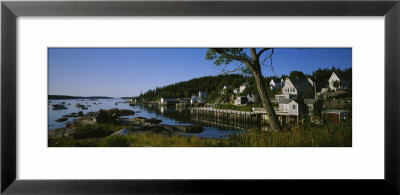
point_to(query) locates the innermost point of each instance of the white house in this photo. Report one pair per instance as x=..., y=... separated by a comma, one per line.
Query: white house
x=282, y=82
x=243, y=87
x=313, y=105
x=343, y=83
x=133, y=100
x=224, y=89
x=240, y=100
x=274, y=84
x=293, y=88
x=193, y=99
x=289, y=106
x=235, y=91
x=166, y=100
x=284, y=96
x=311, y=82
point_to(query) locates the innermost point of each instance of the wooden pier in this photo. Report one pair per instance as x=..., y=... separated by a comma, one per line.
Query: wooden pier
x=226, y=118
x=238, y=119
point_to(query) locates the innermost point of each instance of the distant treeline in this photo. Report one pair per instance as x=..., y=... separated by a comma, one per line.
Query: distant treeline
x=213, y=85
x=66, y=97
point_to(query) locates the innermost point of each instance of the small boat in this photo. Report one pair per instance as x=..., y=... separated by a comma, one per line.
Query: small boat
x=78, y=105
x=58, y=106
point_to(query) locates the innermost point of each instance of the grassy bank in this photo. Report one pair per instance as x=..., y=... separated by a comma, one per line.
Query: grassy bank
x=246, y=108
x=311, y=136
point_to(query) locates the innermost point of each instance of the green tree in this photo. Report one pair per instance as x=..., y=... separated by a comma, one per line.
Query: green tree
x=246, y=63
x=296, y=74
x=336, y=84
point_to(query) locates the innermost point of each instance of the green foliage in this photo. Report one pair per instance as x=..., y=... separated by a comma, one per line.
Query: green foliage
x=246, y=108
x=211, y=54
x=336, y=84
x=322, y=75
x=212, y=85
x=103, y=126
x=308, y=94
x=116, y=141
x=296, y=74
x=239, y=53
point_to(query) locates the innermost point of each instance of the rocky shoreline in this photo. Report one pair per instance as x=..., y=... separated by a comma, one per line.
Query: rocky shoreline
x=97, y=125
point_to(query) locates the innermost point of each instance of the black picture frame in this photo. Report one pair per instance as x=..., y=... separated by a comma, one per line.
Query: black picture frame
x=10, y=10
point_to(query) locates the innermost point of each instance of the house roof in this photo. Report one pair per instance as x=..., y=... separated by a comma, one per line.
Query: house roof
x=285, y=101
x=310, y=101
x=340, y=75
x=170, y=97
x=300, y=83
x=245, y=84
x=276, y=80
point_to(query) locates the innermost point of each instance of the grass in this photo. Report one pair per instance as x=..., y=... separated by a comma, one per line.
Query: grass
x=246, y=108
x=308, y=136
x=105, y=126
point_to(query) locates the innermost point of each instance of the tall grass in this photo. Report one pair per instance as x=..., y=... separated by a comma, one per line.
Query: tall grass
x=310, y=136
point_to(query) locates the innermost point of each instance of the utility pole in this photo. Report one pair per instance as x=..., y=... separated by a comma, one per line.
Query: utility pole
x=315, y=87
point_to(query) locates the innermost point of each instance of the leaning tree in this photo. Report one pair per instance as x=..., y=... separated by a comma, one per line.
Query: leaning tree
x=248, y=62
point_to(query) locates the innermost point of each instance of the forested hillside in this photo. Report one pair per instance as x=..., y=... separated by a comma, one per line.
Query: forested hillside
x=185, y=89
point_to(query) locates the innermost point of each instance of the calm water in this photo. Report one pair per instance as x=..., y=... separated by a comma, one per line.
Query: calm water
x=168, y=115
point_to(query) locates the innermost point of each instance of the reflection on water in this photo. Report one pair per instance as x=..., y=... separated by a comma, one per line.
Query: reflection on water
x=168, y=115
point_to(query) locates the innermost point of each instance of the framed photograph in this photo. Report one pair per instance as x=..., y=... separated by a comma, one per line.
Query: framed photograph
x=199, y=97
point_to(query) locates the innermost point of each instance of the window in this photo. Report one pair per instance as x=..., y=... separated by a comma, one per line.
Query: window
x=294, y=107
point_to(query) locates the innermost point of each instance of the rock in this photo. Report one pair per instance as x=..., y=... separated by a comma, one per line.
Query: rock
x=125, y=131
x=89, y=113
x=80, y=113
x=114, y=116
x=78, y=105
x=58, y=106
x=126, y=112
x=103, y=117
x=190, y=128
x=85, y=120
x=138, y=120
x=153, y=121
x=169, y=128
x=112, y=111
x=68, y=125
x=71, y=115
x=62, y=119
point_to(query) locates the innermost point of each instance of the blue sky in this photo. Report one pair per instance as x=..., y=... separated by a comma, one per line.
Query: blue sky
x=117, y=72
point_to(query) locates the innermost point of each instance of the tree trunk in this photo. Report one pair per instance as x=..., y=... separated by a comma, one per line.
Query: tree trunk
x=262, y=92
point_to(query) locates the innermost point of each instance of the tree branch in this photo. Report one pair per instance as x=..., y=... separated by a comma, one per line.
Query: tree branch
x=238, y=58
x=254, y=54
x=262, y=51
